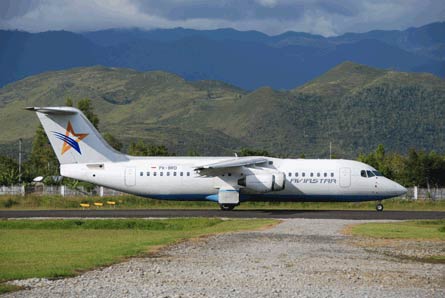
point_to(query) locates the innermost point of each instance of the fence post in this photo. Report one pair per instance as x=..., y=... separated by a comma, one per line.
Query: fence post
x=62, y=190
x=101, y=191
x=416, y=193
x=22, y=190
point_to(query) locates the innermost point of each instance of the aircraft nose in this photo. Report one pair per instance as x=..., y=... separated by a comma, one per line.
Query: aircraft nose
x=400, y=190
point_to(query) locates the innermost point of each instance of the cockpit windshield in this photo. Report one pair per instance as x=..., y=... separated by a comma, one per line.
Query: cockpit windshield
x=369, y=173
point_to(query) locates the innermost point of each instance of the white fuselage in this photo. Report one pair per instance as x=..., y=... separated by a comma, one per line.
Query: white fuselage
x=176, y=178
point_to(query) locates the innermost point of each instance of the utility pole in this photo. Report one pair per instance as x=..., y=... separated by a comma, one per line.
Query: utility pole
x=330, y=150
x=20, y=160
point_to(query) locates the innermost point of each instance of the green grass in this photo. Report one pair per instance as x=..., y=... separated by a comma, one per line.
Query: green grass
x=134, y=202
x=421, y=229
x=5, y=288
x=58, y=248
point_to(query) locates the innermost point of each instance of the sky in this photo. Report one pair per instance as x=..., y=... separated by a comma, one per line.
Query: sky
x=327, y=18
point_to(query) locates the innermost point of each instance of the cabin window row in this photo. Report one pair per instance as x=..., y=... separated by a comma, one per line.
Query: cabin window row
x=312, y=174
x=174, y=174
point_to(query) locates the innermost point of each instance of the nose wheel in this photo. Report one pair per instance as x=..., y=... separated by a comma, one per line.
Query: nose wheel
x=227, y=207
x=379, y=207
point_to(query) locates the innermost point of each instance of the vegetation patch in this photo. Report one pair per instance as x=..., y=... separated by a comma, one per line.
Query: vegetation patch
x=421, y=241
x=5, y=288
x=134, y=202
x=420, y=229
x=59, y=248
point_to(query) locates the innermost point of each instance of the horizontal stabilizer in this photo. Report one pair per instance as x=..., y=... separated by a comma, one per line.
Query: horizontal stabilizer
x=53, y=110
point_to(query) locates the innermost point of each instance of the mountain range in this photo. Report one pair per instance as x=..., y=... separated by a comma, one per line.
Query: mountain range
x=247, y=59
x=352, y=106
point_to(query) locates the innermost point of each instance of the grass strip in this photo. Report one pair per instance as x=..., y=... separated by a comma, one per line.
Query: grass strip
x=134, y=202
x=59, y=248
x=394, y=236
x=419, y=229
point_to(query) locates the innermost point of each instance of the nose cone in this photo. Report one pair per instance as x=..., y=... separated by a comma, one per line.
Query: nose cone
x=400, y=190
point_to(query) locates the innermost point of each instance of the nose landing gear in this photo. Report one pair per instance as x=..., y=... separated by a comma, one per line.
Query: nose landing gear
x=379, y=207
x=227, y=207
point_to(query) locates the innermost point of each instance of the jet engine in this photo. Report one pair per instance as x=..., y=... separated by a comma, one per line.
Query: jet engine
x=263, y=182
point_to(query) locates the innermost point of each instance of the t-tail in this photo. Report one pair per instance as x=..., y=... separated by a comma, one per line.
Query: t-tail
x=73, y=138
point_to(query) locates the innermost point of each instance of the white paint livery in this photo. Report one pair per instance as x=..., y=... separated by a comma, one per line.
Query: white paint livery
x=84, y=155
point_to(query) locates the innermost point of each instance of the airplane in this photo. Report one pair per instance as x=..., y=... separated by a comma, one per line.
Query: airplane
x=84, y=155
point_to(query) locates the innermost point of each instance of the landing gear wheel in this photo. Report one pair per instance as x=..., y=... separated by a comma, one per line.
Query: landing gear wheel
x=227, y=207
x=379, y=207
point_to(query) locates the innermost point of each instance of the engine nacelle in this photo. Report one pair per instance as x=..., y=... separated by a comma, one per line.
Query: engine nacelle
x=264, y=182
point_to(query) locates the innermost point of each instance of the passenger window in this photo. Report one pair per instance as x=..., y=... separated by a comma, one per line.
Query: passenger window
x=370, y=174
x=318, y=174
x=363, y=173
x=303, y=174
x=168, y=173
x=161, y=173
x=154, y=173
x=289, y=174
x=312, y=174
x=296, y=174
x=325, y=174
x=174, y=173
x=181, y=174
x=188, y=173
x=148, y=173
x=141, y=174
x=332, y=174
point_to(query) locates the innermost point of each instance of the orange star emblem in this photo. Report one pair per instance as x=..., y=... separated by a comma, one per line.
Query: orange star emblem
x=70, y=138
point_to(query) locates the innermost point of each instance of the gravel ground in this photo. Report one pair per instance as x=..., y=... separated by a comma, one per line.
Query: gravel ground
x=298, y=258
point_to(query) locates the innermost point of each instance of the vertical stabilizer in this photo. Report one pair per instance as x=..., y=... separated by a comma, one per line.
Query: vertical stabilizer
x=73, y=138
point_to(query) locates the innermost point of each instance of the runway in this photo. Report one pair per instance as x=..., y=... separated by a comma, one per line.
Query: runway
x=161, y=213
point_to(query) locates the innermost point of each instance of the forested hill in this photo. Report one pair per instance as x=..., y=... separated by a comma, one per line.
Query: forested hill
x=248, y=59
x=353, y=106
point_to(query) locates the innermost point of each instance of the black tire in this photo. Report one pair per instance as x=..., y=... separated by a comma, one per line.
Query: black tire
x=227, y=207
x=379, y=207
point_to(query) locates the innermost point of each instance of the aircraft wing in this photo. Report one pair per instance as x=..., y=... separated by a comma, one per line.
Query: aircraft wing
x=232, y=163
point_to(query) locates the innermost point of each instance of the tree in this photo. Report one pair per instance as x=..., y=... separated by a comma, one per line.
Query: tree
x=158, y=150
x=141, y=149
x=112, y=141
x=9, y=173
x=252, y=152
x=43, y=161
x=193, y=152
x=69, y=102
x=138, y=149
x=87, y=108
x=378, y=160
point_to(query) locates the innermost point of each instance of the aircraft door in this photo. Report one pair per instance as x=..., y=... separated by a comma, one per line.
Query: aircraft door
x=345, y=177
x=130, y=176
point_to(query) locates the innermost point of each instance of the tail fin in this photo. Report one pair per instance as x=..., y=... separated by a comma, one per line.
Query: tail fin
x=73, y=138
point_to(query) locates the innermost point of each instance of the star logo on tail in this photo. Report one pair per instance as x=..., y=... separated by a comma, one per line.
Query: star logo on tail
x=70, y=139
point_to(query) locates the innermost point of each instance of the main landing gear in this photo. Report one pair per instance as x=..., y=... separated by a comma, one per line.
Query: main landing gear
x=379, y=207
x=227, y=207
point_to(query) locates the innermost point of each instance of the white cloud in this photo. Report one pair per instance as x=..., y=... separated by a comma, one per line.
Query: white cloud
x=270, y=16
x=267, y=3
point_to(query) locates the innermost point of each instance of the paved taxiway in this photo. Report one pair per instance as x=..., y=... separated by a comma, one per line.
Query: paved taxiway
x=145, y=213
